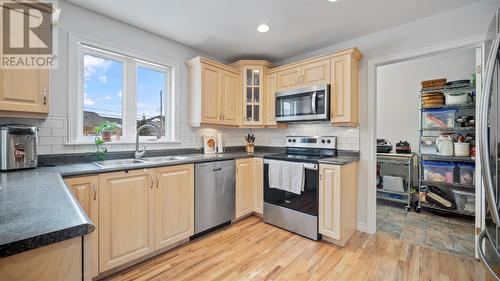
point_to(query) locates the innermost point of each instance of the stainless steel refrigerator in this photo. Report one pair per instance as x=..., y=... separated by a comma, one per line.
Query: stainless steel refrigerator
x=488, y=244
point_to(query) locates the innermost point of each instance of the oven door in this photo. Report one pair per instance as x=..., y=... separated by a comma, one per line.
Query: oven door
x=306, y=202
x=306, y=104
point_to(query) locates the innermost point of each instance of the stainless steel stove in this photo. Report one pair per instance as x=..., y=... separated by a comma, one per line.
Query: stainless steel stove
x=298, y=212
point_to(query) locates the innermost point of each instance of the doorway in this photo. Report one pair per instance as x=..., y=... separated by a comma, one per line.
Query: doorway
x=421, y=196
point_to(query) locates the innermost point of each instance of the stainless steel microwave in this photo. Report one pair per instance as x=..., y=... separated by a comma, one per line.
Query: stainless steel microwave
x=305, y=104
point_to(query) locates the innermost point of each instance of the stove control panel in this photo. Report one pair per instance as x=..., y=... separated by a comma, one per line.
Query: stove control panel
x=311, y=142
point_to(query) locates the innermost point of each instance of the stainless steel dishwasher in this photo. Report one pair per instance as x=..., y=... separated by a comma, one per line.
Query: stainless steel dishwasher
x=214, y=194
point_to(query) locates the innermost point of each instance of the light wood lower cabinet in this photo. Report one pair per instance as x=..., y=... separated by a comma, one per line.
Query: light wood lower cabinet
x=85, y=191
x=174, y=204
x=142, y=211
x=258, y=185
x=126, y=217
x=59, y=261
x=244, y=187
x=337, y=202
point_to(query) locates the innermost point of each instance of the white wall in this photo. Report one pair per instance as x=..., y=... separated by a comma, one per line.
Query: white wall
x=459, y=24
x=74, y=19
x=398, y=87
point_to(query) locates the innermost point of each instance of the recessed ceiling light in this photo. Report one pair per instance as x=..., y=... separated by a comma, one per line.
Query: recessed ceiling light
x=333, y=0
x=263, y=28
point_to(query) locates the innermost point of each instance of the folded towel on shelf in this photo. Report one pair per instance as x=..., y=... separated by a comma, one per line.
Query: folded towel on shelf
x=288, y=176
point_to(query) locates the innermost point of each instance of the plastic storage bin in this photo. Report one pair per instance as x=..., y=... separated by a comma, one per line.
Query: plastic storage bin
x=438, y=171
x=428, y=145
x=438, y=118
x=464, y=201
x=467, y=173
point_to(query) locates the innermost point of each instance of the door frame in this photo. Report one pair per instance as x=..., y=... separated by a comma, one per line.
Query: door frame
x=370, y=145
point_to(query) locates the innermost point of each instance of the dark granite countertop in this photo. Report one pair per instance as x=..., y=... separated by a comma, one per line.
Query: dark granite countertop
x=343, y=158
x=37, y=209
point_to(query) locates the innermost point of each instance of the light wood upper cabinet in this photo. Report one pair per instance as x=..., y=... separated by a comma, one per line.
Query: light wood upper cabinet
x=85, y=191
x=258, y=185
x=337, y=202
x=344, y=95
x=315, y=73
x=244, y=187
x=288, y=79
x=126, y=217
x=213, y=93
x=24, y=92
x=270, y=101
x=231, y=112
x=174, y=204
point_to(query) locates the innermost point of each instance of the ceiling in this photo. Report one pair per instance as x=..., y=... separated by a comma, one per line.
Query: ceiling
x=227, y=28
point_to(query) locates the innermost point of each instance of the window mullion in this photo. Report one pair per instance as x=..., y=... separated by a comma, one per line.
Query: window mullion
x=130, y=100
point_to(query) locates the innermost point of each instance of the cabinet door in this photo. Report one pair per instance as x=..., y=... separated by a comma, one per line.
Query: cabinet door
x=125, y=217
x=231, y=103
x=24, y=91
x=244, y=187
x=288, y=79
x=211, y=94
x=258, y=187
x=315, y=73
x=329, y=201
x=174, y=204
x=85, y=191
x=270, y=100
x=344, y=91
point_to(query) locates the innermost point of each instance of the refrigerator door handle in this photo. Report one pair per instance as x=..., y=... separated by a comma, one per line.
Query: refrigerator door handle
x=483, y=132
x=481, y=255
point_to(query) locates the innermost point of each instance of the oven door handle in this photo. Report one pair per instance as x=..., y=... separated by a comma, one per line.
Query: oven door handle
x=307, y=166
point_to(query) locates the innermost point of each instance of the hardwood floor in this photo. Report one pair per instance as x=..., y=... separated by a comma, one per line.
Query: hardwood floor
x=253, y=250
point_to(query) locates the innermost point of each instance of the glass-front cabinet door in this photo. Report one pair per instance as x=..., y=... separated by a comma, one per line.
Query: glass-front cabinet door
x=252, y=95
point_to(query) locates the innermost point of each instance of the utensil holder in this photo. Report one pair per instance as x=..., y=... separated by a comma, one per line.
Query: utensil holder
x=249, y=148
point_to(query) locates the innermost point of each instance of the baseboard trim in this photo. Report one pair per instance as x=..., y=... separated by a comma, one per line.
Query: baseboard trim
x=361, y=226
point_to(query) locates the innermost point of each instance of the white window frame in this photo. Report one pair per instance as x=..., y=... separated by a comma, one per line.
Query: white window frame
x=80, y=47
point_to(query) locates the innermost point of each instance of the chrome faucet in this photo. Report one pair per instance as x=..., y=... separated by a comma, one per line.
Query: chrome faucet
x=138, y=154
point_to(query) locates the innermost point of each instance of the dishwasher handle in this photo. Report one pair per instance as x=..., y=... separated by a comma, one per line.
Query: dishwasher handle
x=216, y=169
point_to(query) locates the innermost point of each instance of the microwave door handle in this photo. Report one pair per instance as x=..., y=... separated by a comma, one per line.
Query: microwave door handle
x=313, y=102
x=483, y=133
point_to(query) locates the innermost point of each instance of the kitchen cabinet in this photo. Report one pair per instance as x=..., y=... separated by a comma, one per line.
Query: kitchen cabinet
x=315, y=73
x=213, y=93
x=270, y=100
x=253, y=91
x=126, y=217
x=59, y=261
x=244, y=187
x=288, y=79
x=305, y=74
x=344, y=94
x=174, y=204
x=85, y=191
x=24, y=92
x=258, y=185
x=337, y=202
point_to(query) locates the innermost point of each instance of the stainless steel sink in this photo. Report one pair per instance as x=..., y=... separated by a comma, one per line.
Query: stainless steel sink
x=160, y=159
x=119, y=163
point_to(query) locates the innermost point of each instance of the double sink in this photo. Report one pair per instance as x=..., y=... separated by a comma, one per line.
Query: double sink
x=131, y=162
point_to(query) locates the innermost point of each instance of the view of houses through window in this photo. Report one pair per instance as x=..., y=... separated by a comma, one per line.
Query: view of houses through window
x=106, y=94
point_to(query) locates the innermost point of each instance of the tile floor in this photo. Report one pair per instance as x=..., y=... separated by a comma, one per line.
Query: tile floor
x=454, y=235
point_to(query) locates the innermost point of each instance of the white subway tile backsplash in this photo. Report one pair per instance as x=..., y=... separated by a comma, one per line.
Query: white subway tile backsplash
x=59, y=132
x=50, y=140
x=44, y=132
x=52, y=123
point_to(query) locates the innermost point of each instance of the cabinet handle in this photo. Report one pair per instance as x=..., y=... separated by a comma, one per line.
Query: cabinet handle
x=44, y=92
x=94, y=189
x=157, y=181
x=152, y=181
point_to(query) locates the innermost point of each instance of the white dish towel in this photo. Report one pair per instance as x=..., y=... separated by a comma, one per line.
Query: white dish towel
x=288, y=176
